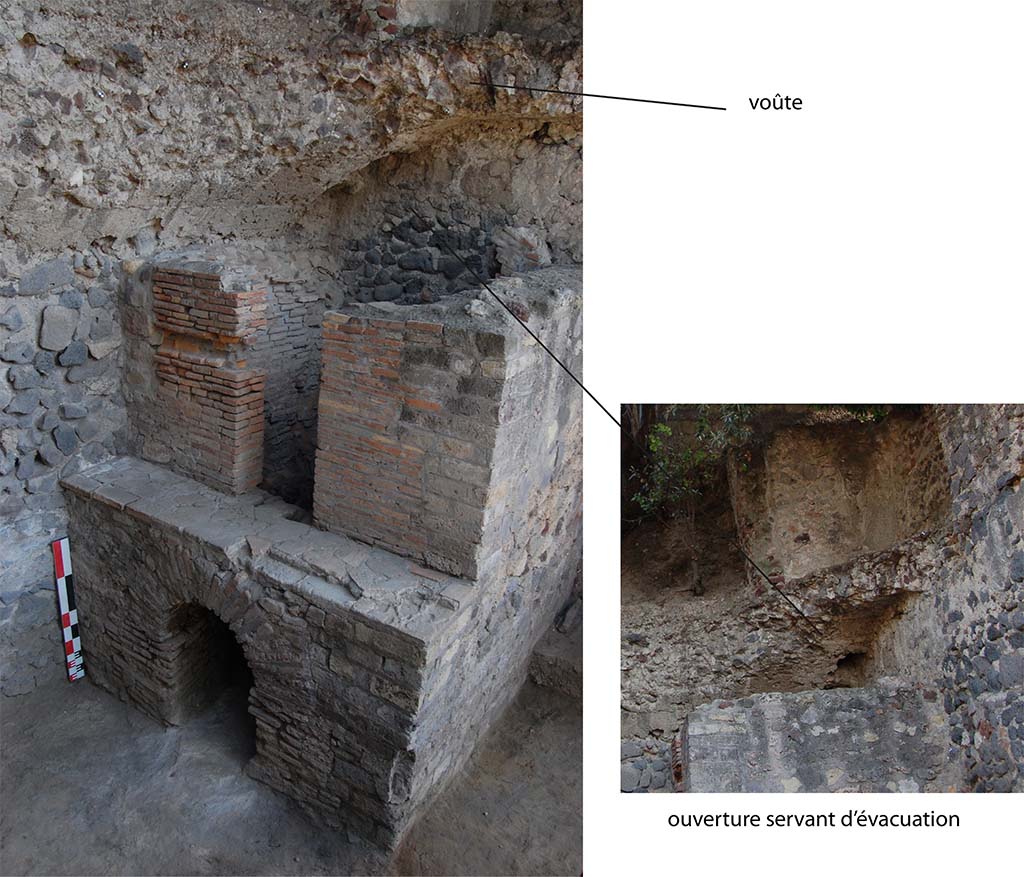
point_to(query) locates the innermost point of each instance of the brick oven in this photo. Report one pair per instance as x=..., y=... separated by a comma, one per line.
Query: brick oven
x=385, y=633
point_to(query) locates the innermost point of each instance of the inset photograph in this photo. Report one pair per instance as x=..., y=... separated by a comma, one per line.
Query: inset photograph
x=822, y=598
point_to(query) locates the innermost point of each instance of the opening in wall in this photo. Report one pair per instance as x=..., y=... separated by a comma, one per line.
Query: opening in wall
x=214, y=678
x=851, y=671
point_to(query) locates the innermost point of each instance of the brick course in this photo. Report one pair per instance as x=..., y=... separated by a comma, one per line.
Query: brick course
x=373, y=677
x=193, y=303
x=398, y=399
x=209, y=405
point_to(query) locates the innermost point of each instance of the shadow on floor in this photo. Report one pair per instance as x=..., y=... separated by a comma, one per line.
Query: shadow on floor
x=91, y=786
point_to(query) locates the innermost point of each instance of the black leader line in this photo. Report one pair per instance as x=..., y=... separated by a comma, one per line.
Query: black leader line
x=642, y=100
x=532, y=334
x=597, y=402
x=777, y=589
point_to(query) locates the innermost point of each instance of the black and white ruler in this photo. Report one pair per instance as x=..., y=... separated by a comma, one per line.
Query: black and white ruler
x=68, y=610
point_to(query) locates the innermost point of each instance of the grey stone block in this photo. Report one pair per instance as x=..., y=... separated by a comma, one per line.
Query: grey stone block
x=73, y=411
x=98, y=297
x=1011, y=672
x=87, y=430
x=18, y=351
x=42, y=483
x=45, y=362
x=58, y=329
x=74, y=354
x=26, y=468
x=65, y=438
x=87, y=371
x=50, y=454
x=102, y=326
x=629, y=778
x=12, y=319
x=25, y=377
x=417, y=260
x=25, y=402
x=388, y=292
x=1017, y=566
x=46, y=277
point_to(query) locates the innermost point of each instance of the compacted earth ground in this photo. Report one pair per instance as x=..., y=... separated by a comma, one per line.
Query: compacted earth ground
x=91, y=786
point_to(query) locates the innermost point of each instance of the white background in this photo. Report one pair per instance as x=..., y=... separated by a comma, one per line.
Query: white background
x=864, y=249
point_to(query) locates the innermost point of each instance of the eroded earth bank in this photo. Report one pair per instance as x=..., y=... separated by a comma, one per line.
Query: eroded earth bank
x=878, y=643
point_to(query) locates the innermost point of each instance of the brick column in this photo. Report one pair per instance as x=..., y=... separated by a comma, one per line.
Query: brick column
x=211, y=401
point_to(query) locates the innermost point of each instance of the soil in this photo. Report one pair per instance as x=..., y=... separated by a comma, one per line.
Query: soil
x=90, y=786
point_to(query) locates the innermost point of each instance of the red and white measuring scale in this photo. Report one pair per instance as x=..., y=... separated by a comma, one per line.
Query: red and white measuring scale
x=68, y=610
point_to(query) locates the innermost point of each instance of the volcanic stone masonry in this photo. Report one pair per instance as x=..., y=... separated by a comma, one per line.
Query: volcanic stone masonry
x=887, y=738
x=302, y=156
x=234, y=340
x=900, y=542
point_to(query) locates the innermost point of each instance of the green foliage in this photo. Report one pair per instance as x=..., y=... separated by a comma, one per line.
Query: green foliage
x=869, y=413
x=676, y=473
x=860, y=413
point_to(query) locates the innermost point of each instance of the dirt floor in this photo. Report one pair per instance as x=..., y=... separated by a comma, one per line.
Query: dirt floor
x=91, y=786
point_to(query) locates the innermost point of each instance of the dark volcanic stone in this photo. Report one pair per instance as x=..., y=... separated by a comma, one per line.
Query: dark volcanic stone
x=47, y=276
x=419, y=260
x=12, y=319
x=25, y=377
x=73, y=411
x=71, y=298
x=74, y=354
x=1017, y=567
x=45, y=362
x=388, y=292
x=66, y=438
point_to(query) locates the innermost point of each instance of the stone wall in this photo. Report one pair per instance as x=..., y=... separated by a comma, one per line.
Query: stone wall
x=939, y=608
x=814, y=496
x=61, y=408
x=550, y=19
x=229, y=121
x=239, y=132
x=969, y=636
x=409, y=262
x=505, y=198
x=890, y=738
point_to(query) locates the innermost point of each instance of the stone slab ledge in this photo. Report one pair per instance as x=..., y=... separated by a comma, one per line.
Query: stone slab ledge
x=258, y=530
